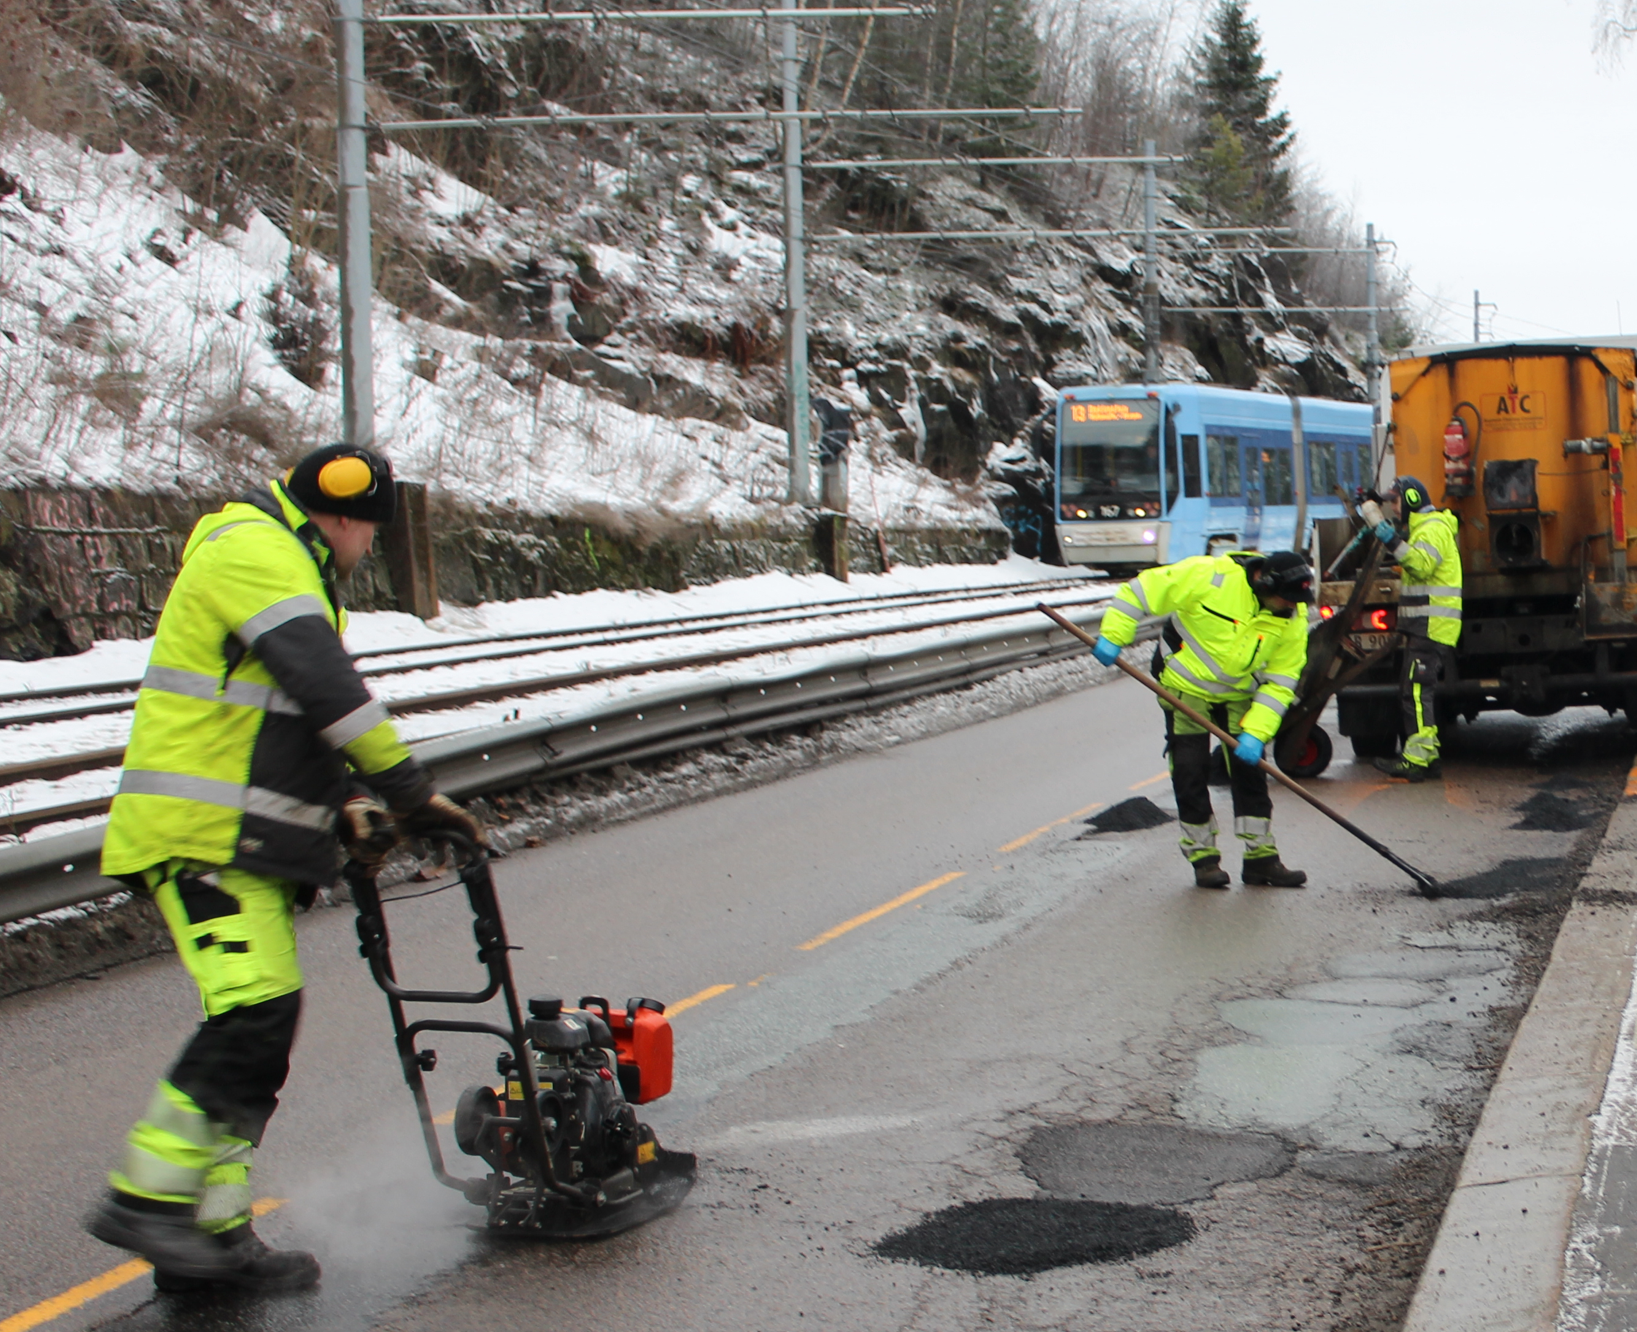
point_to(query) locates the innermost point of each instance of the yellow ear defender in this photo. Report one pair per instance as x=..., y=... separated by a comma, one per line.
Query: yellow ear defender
x=345, y=478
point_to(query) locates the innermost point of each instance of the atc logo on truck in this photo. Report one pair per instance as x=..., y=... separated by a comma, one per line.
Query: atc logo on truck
x=1514, y=410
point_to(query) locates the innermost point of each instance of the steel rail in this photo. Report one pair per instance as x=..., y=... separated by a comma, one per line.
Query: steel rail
x=68, y=764
x=56, y=872
x=718, y=619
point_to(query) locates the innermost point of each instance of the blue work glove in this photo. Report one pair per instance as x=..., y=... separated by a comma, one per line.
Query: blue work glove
x=1386, y=533
x=1248, y=750
x=1105, y=651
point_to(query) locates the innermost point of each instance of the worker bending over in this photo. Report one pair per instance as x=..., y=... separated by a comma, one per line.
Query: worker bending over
x=235, y=789
x=1429, y=617
x=1236, y=649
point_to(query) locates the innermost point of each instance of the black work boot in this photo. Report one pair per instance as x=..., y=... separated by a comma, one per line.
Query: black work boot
x=164, y=1234
x=1270, y=872
x=255, y=1267
x=1208, y=873
x=1405, y=771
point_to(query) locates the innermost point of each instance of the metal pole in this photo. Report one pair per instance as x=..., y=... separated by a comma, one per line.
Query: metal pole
x=1372, y=351
x=1476, y=336
x=1150, y=271
x=798, y=408
x=1298, y=458
x=352, y=207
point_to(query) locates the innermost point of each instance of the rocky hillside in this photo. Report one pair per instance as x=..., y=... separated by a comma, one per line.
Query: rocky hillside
x=582, y=325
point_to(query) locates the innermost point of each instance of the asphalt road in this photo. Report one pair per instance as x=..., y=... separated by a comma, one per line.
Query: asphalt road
x=838, y=1093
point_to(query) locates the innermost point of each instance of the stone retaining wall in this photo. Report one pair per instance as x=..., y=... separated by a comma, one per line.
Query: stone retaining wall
x=79, y=565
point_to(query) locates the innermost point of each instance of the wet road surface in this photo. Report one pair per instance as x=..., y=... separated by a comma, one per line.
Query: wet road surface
x=842, y=1084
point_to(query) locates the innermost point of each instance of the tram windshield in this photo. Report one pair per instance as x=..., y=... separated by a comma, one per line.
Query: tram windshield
x=1110, y=458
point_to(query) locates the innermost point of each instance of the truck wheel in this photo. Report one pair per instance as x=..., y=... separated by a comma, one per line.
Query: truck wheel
x=1374, y=744
x=1313, y=758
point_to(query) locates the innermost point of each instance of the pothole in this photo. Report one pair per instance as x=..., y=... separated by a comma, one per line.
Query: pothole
x=1021, y=1236
x=1545, y=812
x=1108, y=1161
x=1535, y=875
x=1131, y=815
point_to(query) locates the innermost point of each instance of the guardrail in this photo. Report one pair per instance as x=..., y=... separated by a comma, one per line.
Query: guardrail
x=62, y=871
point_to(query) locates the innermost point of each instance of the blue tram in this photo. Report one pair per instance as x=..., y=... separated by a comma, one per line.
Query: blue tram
x=1147, y=475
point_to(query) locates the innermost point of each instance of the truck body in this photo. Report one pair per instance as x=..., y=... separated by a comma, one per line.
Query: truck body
x=1525, y=442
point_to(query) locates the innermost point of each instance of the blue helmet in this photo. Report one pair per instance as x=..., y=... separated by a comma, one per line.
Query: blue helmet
x=1413, y=494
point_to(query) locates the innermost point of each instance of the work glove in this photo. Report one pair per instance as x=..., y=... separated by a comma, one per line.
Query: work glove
x=1105, y=651
x=1248, y=750
x=367, y=831
x=1386, y=533
x=442, y=813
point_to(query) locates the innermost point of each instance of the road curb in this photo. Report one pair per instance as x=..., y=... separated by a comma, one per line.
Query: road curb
x=1498, y=1261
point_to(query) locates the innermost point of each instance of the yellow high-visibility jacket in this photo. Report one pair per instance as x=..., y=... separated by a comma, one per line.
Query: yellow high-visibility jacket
x=251, y=711
x=1232, y=649
x=1429, y=601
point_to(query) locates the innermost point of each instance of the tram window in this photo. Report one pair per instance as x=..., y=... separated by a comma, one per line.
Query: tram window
x=1222, y=453
x=1279, y=479
x=1190, y=475
x=1173, y=463
x=1321, y=459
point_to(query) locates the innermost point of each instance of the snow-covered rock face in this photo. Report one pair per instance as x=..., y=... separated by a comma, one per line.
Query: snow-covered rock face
x=142, y=353
x=577, y=325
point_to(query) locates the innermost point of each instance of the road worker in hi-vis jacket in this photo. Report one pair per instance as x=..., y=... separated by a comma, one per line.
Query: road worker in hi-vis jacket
x=253, y=742
x=1235, y=650
x=1429, y=617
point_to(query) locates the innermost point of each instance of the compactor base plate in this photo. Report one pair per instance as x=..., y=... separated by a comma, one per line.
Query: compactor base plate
x=668, y=1182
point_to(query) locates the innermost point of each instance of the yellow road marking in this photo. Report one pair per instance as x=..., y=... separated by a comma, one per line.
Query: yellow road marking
x=875, y=913
x=1046, y=828
x=47, y=1311
x=683, y=1005
x=1149, y=781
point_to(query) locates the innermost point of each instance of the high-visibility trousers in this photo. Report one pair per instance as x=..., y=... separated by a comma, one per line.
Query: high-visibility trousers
x=1425, y=664
x=1189, y=748
x=192, y=1149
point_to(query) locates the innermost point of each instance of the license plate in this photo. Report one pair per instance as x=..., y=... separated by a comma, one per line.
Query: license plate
x=1367, y=643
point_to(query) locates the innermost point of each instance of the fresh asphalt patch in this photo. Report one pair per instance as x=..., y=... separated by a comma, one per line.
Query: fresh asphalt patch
x=1109, y=1161
x=1021, y=1236
x=1133, y=815
x=1547, y=812
x=1532, y=875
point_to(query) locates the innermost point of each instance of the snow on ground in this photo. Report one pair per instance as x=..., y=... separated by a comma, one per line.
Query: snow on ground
x=140, y=354
x=126, y=659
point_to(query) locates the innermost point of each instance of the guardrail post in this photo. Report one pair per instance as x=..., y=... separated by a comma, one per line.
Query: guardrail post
x=408, y=546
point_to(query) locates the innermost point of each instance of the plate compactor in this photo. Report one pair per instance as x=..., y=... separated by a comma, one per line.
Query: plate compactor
x=567, y=1156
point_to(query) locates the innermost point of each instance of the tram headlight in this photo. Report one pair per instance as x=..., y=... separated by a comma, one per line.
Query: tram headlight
x=1149, y=536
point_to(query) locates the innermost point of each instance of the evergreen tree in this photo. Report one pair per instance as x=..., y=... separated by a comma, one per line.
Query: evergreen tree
x=1242, y=150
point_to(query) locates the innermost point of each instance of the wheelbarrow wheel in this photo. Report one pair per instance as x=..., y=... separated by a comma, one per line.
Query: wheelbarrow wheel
x=1310, y=759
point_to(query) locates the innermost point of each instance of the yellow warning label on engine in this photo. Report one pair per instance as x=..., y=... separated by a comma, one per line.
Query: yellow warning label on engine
x=1517, y=410
x=646, y=1152
x=514, y=1091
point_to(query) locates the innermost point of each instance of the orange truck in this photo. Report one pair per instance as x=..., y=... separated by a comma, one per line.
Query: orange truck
x=1525, y=442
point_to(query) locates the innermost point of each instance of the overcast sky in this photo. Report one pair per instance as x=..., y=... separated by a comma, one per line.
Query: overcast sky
x=1486, y=138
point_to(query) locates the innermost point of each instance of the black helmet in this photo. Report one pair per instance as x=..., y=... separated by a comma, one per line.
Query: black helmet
x=1412, y=493
x=1285, y=573
x=345, y=480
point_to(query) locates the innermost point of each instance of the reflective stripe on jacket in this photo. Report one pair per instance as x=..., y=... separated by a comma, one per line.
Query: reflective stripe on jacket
x=1231, y=647
x=1429, y=601
x=251, y=711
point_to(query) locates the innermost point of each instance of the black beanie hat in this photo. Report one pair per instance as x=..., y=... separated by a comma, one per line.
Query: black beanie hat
x=1287, y=574
x=344, y=480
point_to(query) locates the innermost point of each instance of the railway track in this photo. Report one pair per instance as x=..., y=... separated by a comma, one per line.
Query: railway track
x=1017, y=598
